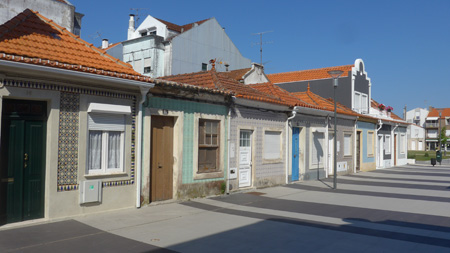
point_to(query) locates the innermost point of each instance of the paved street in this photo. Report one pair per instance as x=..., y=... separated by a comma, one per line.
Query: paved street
x=402, y=209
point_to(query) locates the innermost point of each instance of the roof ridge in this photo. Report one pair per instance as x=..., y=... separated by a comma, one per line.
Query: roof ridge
x=304, y=70
x=15, y=21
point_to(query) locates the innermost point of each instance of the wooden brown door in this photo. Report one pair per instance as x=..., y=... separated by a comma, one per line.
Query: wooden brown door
x=161, y=158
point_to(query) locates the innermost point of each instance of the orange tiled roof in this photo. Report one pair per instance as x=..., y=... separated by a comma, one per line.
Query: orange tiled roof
x=305, y=75
x=181, y=28
x=220, y=81
x=328, y=104
x=445, y=112
x=237, y=74
x=32, y=38
x=274, y=90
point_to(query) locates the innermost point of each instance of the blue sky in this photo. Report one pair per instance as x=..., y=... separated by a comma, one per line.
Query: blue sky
x=405, y=45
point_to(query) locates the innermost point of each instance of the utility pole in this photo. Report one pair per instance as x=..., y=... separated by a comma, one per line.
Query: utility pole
x=261, y=43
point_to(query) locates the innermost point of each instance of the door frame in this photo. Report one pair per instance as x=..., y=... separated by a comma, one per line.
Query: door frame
x=28, y=119
x=152, y=168
x=252, y=150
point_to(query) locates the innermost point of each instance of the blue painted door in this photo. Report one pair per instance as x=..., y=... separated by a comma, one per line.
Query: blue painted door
x=295, y=153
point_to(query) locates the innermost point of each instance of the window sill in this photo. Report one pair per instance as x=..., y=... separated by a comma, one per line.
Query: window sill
x=208, y=175
x=99, y=175
x=271, y=161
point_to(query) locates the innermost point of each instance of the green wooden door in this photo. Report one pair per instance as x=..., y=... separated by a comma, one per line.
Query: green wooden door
x=22, y=169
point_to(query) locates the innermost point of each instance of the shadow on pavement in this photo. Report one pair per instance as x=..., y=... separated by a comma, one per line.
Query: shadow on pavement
x=68, y=236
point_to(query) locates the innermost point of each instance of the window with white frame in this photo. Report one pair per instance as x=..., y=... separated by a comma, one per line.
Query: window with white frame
x=272, y=145
x=147, y=65
x=370, y=143
x=361, y=102
x=318, y=148
x=402, y=143
x=347, y=144
x=106, y=135
x=387, y=144
x=208, y=145
x=138, y=65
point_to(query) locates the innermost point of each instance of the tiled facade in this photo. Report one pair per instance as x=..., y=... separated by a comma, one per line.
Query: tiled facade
x=265, y=174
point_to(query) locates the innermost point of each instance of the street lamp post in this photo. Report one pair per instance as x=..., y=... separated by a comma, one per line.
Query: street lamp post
x=335, y=74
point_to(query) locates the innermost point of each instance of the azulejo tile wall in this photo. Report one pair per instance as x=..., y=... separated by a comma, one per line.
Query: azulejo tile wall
x=68, y=141
x=68, y=138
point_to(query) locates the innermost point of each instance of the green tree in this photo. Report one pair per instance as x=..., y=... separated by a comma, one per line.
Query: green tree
x=444, y=139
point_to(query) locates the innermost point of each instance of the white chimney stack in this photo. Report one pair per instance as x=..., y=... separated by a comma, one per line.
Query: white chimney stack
x=131, y=27
x=105, y=43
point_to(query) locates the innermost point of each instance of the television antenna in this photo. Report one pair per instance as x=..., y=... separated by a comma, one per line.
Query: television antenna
x=136, y=10
x=261, y=43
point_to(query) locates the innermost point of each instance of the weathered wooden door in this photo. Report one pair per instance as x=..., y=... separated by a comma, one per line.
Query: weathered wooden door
x=22, y=166
x=162, y=158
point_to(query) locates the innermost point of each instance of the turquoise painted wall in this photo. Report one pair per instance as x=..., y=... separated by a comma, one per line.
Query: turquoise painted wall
x=189, y=108
x=364, y=127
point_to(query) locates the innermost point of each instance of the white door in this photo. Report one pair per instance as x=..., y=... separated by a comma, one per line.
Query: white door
x=245, y=158
x=330, y=154
x=413, y=145
x=380, y=151
x=420, y=145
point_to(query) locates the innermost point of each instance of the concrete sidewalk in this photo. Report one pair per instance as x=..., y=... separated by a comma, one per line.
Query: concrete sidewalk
x=389, y=210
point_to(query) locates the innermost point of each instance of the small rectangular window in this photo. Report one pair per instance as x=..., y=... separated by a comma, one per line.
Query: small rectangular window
x=208, y=145
x=204, y=67
x=387, y=144
x=272, y=145
x=105, y=142
x=370, y=142
x=347, y=144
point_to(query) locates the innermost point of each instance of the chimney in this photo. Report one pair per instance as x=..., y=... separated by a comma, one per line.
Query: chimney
x=105, y=43
x=131, y=29
x=404, y=113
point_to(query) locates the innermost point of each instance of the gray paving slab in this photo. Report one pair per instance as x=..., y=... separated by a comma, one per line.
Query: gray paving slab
x=402, y=209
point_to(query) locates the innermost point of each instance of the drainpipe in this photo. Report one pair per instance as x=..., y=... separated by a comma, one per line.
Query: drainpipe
x=294, y=113
x=138, y=179
x=379, y=144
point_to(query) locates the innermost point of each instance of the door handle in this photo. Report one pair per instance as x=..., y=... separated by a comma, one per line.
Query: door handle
x=159, y=166
x=25, y=157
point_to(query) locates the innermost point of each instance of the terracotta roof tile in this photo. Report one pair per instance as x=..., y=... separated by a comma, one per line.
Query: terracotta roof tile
x=181, y=28
x=237, y=74
x=220, y=81
x=284, y=95
x=327, y=104
x=30, y=36
x=305, y=75
x=445, y=112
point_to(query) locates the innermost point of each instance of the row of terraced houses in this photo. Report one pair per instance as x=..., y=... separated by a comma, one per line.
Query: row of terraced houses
x=156, y=118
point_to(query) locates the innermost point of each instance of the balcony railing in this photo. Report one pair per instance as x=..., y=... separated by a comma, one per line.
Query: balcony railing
x=431, y=124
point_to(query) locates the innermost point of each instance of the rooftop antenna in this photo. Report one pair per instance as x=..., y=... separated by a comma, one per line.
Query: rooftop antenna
x=137, y=14
x=96, y=35
x=260, y=43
